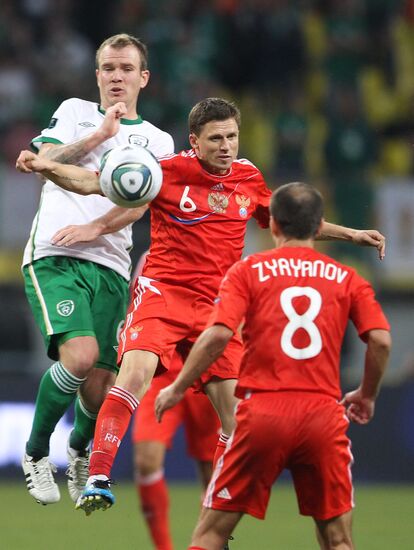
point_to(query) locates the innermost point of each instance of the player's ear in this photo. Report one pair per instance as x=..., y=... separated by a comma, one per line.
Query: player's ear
x=274, y=227
x=319, y=230
x=145, y=76
x=192, y=138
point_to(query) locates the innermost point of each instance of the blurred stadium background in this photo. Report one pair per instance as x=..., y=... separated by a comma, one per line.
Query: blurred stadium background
x=326, y=89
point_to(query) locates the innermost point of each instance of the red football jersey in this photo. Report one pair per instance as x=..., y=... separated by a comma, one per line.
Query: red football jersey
x=198, y=221
x=296, y=303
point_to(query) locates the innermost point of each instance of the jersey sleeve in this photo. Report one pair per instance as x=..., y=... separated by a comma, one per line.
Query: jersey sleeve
x=366, y=313
x=261, y=213
x=163, y=145
x=233, y=298
x=62, y=125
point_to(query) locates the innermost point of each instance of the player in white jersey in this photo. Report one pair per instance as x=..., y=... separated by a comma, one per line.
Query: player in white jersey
x=72, y=122
x=76, y=275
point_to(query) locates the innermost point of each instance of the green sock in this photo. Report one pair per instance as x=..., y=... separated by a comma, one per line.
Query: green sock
x=56, y=392
x=84, y=426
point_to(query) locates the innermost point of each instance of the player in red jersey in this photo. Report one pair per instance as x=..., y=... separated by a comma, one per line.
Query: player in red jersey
x=198, y=224
x=151, y=439
x=296, y=303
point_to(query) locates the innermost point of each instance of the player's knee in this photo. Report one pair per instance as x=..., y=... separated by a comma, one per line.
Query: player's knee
x=336, y=534
x=86, y=363
x=144, y=467
x=79, y=355
x=337, y=542
x=93, y=400
x=148, y=459
x=96, y=387
x=228, y=422
x=213, y=528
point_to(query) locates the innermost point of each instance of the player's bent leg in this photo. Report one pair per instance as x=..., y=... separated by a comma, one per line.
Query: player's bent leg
x=81, y=354
x=91, y=396
x=214, y=528
x=335, y=533
x=137, y=370
x=57, y=391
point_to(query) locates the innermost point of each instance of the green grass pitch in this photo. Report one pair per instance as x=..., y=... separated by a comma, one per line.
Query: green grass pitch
x=383, y=519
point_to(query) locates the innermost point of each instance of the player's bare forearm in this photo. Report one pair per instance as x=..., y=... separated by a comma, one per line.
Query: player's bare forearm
x=360, y=403
x=334, y=232
x=117, y=218
x=73, y=178
x=362, y=237
x=376, y=361
x=69, y=177
x=72, y=153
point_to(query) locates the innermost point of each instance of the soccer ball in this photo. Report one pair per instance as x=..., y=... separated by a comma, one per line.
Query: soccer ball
x=130, y=176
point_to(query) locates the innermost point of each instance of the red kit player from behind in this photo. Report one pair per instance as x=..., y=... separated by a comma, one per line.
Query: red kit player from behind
x=296, y=304
x=198, y=224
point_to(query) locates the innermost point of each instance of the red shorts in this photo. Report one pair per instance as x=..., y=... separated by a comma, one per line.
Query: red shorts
x=195, y=411
x=300, y=431
x=162, y=317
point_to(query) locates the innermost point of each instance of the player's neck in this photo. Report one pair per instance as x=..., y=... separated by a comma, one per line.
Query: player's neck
x=213, y=170
x=132, y=113
x=282, y=241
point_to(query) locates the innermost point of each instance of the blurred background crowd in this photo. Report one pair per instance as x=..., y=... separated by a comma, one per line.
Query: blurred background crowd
x=326, y=90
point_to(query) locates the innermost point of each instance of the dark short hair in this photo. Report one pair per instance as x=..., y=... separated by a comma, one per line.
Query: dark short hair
x=298, y=209
x=122, y=40
x=211, y=108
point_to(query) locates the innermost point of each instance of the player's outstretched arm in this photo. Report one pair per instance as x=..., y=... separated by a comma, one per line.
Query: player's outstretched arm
x=72, y=153
x=69, y=177
x=362, y=237
x=116, y=219
x=208, y=347
x=360, y=403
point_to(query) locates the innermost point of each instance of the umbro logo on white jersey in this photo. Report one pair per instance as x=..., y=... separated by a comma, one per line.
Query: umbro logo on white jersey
x=224, y=493
x=218, y=187
x=87, y=124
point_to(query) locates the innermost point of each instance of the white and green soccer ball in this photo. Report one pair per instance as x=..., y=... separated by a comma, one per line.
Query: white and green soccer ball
x=130, y=176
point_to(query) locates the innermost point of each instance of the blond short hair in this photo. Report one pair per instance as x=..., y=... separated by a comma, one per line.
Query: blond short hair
x=122, y=40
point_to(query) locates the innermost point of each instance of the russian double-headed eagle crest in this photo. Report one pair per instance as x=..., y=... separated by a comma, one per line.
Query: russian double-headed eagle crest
x=218, y=202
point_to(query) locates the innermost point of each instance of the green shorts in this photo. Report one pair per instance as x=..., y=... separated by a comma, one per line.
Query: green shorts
x=71, y=297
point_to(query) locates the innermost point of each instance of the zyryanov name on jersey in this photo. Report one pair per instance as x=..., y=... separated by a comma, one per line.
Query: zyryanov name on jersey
x=290, y=267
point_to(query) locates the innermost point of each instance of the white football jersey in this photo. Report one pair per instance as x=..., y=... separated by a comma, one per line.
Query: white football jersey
x=73, y=120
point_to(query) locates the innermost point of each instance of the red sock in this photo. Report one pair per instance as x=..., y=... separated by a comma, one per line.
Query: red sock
x=111, y=425
x=221, y=447
x=155, y=503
